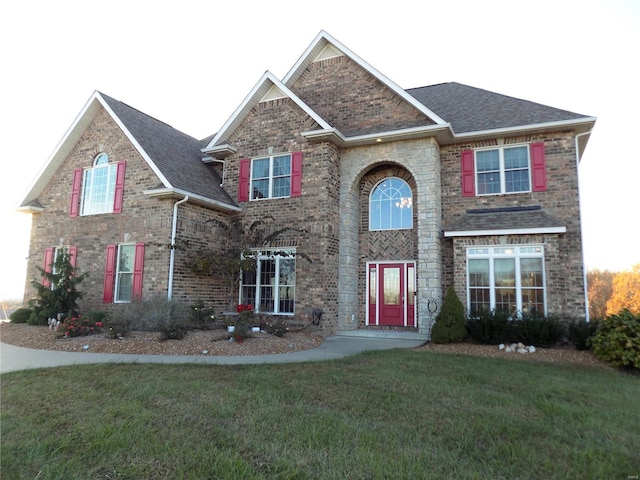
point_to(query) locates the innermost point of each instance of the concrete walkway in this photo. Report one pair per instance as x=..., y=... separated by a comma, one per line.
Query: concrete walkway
x=14, y=358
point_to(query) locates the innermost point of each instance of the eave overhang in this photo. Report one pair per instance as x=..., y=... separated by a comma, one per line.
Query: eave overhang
x=506, y=231
x=178, y=194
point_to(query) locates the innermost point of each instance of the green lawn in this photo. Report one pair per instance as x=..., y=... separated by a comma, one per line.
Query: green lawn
x=393, y=415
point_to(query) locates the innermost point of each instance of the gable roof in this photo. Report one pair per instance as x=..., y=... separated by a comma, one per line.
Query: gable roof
x=173, y=156
x=474, y=111
x=267, y=87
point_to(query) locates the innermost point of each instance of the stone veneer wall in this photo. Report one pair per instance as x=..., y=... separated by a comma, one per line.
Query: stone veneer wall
x=420, y=158
x=563, y=252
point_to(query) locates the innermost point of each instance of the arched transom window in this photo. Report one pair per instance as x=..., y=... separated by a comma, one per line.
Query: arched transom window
x=391, y=205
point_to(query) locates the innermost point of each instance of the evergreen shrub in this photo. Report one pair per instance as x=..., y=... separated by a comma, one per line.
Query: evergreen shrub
x=450, y=322
x=21, y=315
x=539, y=330
x=489, y=327
x=580, y=333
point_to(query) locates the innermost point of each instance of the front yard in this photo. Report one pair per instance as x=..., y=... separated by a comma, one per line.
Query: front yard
x=392, y=414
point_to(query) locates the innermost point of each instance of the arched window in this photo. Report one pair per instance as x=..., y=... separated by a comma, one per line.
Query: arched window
x=99, y=186
x=391, y=205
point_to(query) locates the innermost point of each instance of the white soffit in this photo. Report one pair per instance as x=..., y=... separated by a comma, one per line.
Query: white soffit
x=329, y=51
x=274, y=93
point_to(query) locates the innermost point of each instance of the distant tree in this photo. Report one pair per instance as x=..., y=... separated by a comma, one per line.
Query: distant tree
x=626, y=292
x=600, y=287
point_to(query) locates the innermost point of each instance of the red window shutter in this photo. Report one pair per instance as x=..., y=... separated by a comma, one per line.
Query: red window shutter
x=296, y=174
x=243, y=185
x=109, y=274
x=75, y=193
x=468, y=174
x=72, y=255
x=538, y=167
x=138, y=269
x=47, y=265
x=119, y=193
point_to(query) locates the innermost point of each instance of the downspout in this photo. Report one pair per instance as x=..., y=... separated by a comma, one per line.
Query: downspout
x=584, y=268
x=174, y=228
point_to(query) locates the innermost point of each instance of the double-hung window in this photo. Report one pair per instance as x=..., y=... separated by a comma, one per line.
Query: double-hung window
x=271, y=288
x=123, y=275
x=124, y=272
x=503, y=170
x=508, y=279
x=271, y=177
x=390, y=205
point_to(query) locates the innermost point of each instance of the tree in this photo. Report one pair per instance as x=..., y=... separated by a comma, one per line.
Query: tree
x=238, y=251
x=600, y=287
x=450, y=322
x=626, y=292
x=59, y=294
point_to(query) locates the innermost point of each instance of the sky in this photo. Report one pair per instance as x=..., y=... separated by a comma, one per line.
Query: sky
x=191, y=63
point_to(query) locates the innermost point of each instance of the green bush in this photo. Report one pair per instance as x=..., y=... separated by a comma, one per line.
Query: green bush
x=21, y=315
x=116, y=327
x=539, y=330
x=39, y=316
x=173, y=330
x=277, y=327
x=153, y=314
x=79, y=326
x=449, y=326
x=201, y=315
x=95, y=316
x=489, y=327
x=580, y=332
x=617, y=340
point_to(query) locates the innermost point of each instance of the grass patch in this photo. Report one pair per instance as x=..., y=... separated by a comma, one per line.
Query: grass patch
x=390, y=414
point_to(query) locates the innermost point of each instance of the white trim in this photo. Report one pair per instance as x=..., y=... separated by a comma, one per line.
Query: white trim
x=521, y=128
x=334, y=135
x=260, y=89
x=198, y=199
x=319, y=44
x=405, y=306
x=517, y=256
x=505, y=231
x=135, y=143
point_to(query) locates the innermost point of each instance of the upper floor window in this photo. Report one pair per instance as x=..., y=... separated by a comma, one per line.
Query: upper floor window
x=99, y=186
x=502, y=170
x=509, y=169
x=275, y=176
x=391, y=205
x=271, y=177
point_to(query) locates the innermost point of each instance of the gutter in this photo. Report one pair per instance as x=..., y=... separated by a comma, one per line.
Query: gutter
x=584, y=267
x=174, y=228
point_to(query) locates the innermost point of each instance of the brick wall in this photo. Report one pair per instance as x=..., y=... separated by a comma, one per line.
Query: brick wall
x=352, y=100
x=563, y=252
x=274, y=127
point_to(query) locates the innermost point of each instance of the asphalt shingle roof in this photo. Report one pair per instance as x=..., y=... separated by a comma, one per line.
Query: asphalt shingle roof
x=471, y=109
x=176, y=154
x=510, y=218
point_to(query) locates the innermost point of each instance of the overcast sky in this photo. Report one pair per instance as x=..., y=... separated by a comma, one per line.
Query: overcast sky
x=191, y=63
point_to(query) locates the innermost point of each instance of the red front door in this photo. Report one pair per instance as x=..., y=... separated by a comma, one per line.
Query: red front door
x=391, y=294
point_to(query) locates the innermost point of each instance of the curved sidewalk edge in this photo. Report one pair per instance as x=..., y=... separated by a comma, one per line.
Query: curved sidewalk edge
x=14, y=358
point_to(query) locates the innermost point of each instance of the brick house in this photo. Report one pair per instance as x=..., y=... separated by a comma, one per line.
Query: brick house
x=394, y=195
